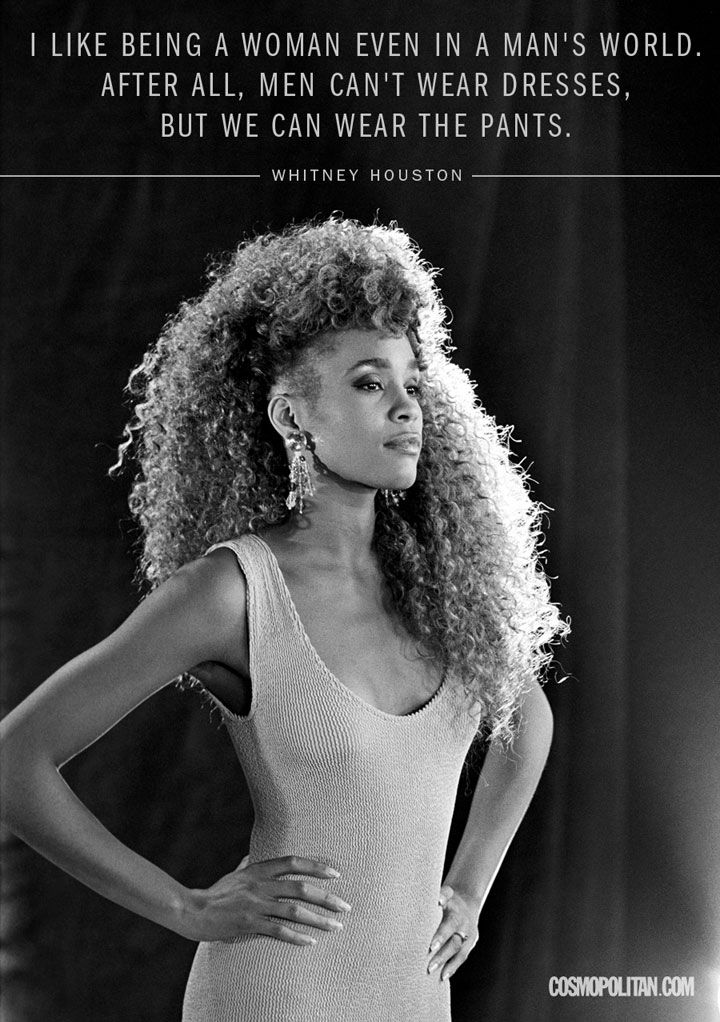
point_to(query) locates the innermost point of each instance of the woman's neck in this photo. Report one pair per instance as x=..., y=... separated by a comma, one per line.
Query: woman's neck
x=340, y=521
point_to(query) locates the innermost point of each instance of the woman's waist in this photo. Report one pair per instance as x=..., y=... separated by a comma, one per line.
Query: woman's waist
x=387, y=847
x=368, y=877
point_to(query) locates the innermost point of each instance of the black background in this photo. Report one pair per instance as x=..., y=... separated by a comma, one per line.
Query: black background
x=586, y=310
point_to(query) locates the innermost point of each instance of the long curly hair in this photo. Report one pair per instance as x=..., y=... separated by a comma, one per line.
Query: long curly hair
x=461, y=554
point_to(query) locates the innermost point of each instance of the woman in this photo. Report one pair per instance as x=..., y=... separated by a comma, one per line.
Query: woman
x=371, y=605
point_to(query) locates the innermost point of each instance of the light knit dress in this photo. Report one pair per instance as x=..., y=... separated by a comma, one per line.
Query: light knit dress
x=372, y=794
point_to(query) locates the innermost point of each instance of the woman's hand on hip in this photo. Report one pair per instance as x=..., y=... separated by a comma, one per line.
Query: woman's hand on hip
x=252, y=899
x=456, y=935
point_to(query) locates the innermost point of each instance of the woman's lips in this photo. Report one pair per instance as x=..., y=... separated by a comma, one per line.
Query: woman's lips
x=406, y=443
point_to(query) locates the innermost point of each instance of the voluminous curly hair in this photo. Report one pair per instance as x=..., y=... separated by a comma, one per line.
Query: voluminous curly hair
x=460, y=554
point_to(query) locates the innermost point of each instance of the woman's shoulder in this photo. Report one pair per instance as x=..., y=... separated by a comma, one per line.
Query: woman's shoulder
x=217, y=577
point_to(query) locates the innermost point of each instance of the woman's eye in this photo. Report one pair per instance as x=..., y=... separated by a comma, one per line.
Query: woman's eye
x=414, y=389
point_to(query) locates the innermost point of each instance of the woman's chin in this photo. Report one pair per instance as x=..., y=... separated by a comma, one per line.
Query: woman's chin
x=400, y=481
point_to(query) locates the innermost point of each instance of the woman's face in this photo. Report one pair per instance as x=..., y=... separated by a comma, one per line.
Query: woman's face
x=364, y=418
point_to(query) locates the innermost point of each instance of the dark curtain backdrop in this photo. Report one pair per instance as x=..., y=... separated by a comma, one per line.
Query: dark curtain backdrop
x=585, y=309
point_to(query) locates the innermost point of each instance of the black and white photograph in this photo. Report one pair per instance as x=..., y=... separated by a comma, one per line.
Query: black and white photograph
x=360, y=503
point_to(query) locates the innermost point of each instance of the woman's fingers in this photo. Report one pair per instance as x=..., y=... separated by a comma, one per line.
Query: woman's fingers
x=455, y=936
x=254, y=898
x=451, y=922
x=291, y=910
x=281, y=932
x=456, y=961
x=446, y=892
x=300, y=889
x=281, y=896
x=447, y=950
x=295, y=864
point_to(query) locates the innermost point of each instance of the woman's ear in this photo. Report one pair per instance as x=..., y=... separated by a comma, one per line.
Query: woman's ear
x=281, y=412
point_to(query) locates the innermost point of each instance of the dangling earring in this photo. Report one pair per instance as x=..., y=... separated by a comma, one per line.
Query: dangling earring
x=300, y=482
x=393, y=497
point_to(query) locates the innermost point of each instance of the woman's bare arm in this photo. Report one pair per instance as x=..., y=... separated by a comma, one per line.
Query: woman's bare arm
x=186, y=620
x=197, y=615
x=503, y=793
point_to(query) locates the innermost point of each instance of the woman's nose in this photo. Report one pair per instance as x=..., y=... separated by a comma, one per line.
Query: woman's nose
x=405, y=407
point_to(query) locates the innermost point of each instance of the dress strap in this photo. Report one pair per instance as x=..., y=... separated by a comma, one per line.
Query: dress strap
x=265, y=619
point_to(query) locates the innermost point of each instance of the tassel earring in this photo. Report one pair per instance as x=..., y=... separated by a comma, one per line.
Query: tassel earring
x=300, y=482
x=392, y=498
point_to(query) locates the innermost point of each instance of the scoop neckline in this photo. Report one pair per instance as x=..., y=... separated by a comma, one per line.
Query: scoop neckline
x=348, y=692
